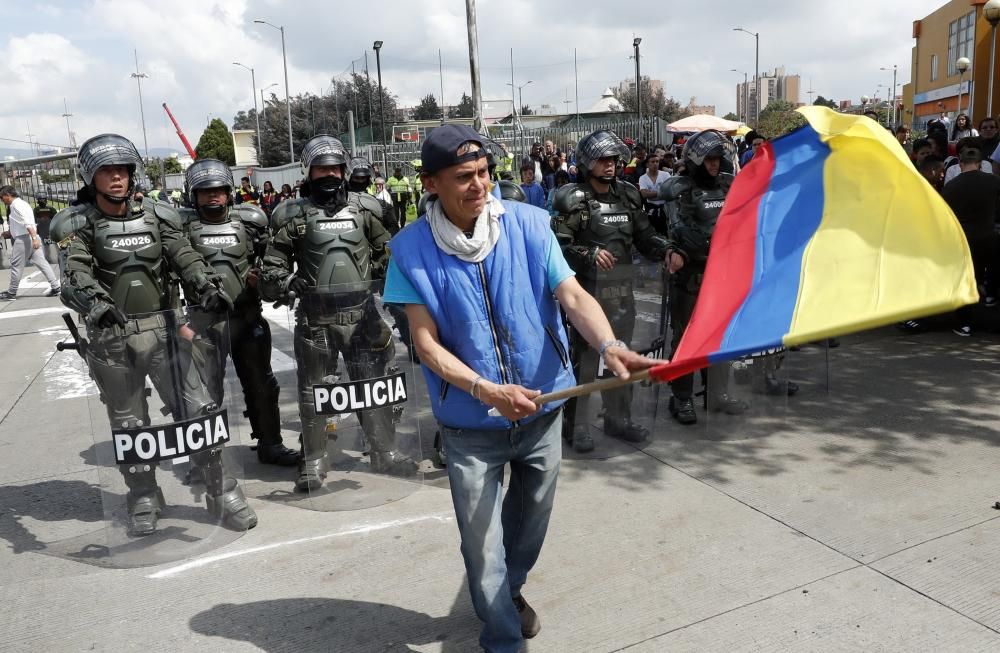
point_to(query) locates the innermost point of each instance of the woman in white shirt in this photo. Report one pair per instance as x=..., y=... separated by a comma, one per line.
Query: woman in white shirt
x=963, y=128
x=649, y=188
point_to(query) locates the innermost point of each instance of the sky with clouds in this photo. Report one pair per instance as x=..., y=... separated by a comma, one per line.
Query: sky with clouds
x=83, y=51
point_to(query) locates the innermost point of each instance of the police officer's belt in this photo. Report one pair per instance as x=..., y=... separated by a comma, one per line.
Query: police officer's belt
x=135, y=325
x=324, y=309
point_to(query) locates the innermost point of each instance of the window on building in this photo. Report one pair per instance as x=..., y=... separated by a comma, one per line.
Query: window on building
x=961, y=35
x=934, y=67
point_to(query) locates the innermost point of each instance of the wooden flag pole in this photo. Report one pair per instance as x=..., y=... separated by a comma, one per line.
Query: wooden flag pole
x=593, y=386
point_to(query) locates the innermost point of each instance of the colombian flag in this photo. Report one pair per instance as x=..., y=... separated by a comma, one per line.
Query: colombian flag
x=829, y=230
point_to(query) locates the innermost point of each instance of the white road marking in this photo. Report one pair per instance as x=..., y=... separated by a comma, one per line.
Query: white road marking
x=29, y=312
x=357, y=530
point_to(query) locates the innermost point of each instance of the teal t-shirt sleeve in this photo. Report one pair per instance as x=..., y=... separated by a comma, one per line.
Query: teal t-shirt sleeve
x=398, y=289
x=558, y=269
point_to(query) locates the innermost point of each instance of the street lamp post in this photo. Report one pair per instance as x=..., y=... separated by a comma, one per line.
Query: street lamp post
x=892, y=98
x=756, y=69
x=288, y=102
x=864, y=103
x=962, y=65
x=256, y=111
x=991, y=10
x=520, y=103
x=746, y=95
x=263, y=104
x=638, y=88
x=381, y=110
x=142, y=115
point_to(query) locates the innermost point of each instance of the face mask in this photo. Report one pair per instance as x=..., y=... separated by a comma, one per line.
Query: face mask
x=212, y=211
x=325, y=189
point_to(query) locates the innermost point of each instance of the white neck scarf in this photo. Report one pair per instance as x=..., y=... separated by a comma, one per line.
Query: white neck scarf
x=453, y=241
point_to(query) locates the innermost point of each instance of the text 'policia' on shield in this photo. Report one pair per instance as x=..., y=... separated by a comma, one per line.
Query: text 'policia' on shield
x=147, y=444
x=336, y=398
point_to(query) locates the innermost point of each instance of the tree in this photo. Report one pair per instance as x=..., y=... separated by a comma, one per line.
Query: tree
x=464, y=108
x=154, y=170
x=731, y=116
x=526, y=110
x=326, y=114
x=779, y=118
x=823, y=102
x=653, y=103
x=428, y=108
x=172, y=166
x=216, y=142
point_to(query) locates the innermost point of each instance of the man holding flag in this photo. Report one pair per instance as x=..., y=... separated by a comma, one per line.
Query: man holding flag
x=480, y=279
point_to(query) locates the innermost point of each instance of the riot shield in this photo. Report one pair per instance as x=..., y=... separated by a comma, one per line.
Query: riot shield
x=621, y=420
x=171, y=484
x=358, y=396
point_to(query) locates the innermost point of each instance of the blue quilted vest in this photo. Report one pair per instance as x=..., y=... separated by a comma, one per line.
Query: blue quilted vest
x=511, y=333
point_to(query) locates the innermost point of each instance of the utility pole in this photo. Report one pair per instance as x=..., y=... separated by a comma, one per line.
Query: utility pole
x=477, y=96
x=441, y=77
x=142, y=115
x=69, y=132
x=576, y=84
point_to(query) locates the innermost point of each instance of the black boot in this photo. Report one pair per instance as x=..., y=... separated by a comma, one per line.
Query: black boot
x=312, y=473
x=144, y=499
x=625, y=429
x=775, y=388
x=231, y=506
x=580, y=439
x=393, y=463
x=276, y=453
x=723, y=403
x=683, y=411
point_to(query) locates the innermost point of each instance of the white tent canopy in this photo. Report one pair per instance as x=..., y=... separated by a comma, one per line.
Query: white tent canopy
x=702, y=122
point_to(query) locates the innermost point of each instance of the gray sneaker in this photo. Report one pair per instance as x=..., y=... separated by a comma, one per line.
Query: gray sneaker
x=54, y=292
x=7, y=296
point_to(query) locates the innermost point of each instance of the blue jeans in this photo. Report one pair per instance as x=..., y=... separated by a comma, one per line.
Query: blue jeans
x=500, y=543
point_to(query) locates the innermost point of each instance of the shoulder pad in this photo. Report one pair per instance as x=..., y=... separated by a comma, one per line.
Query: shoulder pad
x=249, y=214
x=67, y=222
x=164, y=213
x=285, y=212
x=630, y=194
x=367, y=202
x=187, y=215
x=569, y=198
x=674, y=187
x=726, y=180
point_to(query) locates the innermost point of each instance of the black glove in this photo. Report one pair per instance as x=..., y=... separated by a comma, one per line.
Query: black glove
x=214, y=300
x=108, y=316
x=298, y=285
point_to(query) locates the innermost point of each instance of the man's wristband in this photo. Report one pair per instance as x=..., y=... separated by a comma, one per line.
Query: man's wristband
x=612, y=343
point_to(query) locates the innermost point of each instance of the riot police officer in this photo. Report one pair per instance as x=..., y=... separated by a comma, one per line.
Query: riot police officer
x=695, y=200
x=327, y=248
x=360, y=181
x=43, y=217
x=233, y=240
x=115, y=277
x=598, y=221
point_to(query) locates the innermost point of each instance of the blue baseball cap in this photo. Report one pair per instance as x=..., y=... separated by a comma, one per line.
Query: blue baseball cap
x=443, y=147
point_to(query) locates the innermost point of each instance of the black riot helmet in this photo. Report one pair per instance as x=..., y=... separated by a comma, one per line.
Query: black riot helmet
x=360, y=175
x=324, y=150
x=109, y=150
x=204, y=174
x=41, y=199
x=511, y=191
x=599, y=145
x=704, y=145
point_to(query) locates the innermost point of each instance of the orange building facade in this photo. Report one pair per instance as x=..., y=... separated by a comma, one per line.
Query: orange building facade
x=956, y=29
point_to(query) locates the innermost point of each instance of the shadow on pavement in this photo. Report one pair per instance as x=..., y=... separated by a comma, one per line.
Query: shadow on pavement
x=326, y=624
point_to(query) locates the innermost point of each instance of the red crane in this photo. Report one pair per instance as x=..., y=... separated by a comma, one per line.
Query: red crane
x=180, y=133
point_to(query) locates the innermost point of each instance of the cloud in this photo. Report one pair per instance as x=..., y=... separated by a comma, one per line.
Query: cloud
x=187, y=48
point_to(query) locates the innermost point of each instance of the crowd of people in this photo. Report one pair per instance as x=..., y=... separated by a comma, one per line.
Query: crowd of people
x=560, y=260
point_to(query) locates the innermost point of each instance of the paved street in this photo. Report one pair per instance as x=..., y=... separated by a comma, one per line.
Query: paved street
x=854, y=516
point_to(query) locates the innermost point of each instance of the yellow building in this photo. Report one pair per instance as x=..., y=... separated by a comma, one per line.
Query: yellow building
x=956, y=29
